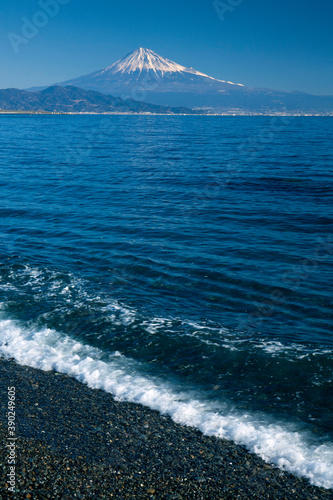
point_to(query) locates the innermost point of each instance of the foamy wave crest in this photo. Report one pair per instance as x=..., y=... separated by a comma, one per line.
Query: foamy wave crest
x=278, y=444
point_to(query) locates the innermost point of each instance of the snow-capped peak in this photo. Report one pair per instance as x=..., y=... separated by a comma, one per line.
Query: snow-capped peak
x=147, y=60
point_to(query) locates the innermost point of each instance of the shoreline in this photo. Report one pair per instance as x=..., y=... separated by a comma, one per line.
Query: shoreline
x=4, y=112
x=77, y=442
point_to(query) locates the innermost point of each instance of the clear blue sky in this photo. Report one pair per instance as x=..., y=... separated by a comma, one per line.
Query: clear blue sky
x=279, y=44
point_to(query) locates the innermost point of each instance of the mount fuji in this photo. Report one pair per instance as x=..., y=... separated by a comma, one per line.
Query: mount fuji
x=145, y=76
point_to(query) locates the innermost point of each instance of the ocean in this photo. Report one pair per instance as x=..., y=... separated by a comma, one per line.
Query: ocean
x=180, y=262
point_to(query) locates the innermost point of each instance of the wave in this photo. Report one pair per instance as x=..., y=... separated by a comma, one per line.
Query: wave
x=277, y=443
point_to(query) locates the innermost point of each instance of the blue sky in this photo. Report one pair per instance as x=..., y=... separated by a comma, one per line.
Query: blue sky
x=279, y=44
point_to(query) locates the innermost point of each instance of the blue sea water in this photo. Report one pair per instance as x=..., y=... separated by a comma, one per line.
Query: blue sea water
x=182, y=262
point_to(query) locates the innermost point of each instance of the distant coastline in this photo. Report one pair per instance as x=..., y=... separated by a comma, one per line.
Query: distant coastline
x=76, y=100
x=18, y=112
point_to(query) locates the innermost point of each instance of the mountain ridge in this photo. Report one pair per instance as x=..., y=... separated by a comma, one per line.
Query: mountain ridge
x=72, y=99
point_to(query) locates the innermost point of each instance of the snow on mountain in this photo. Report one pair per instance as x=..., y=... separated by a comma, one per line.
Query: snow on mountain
x=144, y=71
x=147, y=60
x=144, y=75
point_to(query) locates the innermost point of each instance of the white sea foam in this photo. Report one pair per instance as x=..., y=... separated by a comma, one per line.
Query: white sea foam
x=276, y=443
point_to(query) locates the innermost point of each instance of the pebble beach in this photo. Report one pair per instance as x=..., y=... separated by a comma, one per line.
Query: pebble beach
x=76, y=442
